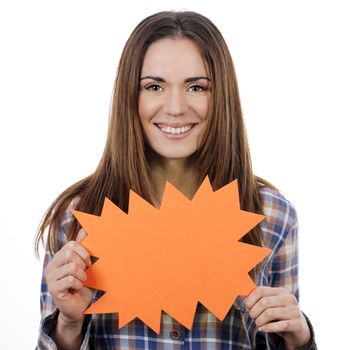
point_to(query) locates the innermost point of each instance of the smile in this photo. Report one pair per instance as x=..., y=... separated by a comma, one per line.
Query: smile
x=170, y=130
x=175, y=132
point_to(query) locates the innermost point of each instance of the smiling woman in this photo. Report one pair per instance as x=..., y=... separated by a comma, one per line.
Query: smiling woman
x=175, y=116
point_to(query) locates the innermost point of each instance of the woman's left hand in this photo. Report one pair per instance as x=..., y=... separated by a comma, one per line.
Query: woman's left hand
x=275, y=310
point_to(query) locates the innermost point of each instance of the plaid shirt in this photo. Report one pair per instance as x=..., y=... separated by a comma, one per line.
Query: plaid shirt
x=236, y=331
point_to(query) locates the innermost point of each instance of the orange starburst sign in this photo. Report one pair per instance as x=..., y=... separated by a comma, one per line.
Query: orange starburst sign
x=169, y=259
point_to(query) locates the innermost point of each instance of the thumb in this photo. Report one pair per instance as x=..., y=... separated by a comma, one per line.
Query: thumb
x=81, y=235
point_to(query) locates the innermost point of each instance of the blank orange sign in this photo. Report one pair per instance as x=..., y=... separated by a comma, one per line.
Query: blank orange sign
x=169, y=259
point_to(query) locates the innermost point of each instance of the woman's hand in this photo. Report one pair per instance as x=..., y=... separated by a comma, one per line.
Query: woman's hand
x=275, y=310
x=65, y=275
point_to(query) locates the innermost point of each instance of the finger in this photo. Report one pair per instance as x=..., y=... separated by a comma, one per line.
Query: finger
x=81, y=235
x=71, y=268
x=68, y=253
x=281, y=326
x=277, y=314
x=54, y=270
x=82, y=252
x=73, y=246
x=68, y=283
x=260, y=292
x=271, y=302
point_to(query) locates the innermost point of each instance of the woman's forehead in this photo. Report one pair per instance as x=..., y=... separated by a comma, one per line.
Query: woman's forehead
x=174, y=55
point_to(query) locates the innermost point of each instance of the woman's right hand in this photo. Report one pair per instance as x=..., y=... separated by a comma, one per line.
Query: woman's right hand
x=65, y=275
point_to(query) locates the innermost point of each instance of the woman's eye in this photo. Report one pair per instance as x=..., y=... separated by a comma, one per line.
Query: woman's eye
x=153, y=87
x=198, y=88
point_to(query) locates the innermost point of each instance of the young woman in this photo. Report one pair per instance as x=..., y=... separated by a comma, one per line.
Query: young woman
x=175, y=116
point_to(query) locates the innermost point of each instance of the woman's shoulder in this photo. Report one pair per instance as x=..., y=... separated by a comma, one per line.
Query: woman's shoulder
x=280, y=214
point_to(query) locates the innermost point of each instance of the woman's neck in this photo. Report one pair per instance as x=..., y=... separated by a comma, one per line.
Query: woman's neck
x=179, y=172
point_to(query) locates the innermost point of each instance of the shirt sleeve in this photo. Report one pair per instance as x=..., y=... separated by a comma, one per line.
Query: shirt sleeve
x=284, y=267
x=49, y=311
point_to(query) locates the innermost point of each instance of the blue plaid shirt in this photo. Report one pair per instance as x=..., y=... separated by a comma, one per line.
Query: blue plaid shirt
x=236, y=331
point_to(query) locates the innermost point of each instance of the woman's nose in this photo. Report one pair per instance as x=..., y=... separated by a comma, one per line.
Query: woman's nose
x=175, y=103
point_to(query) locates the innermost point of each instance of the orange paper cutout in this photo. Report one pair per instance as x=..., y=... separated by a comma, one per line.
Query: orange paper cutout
x=171, y=258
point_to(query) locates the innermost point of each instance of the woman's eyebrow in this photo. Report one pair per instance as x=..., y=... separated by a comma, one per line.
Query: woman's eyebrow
x=187, y=80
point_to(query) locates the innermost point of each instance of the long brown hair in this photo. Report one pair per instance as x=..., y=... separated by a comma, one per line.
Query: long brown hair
x=223, y=155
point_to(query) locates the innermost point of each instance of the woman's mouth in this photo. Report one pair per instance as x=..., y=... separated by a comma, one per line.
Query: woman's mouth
x=178, y=132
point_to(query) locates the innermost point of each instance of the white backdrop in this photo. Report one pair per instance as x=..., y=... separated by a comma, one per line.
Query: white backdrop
x=57, y=65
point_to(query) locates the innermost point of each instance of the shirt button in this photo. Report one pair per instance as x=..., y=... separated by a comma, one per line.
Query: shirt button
x=175, y=335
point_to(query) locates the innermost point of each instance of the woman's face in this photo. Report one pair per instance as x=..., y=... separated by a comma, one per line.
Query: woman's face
x=174, y=97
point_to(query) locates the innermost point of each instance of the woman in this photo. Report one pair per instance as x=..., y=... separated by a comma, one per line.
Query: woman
x=175, y=116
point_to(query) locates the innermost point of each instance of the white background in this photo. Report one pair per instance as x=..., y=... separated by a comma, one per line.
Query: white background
x=57, y=66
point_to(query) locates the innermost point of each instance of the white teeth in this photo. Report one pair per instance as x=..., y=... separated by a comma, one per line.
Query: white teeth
x=174, y=131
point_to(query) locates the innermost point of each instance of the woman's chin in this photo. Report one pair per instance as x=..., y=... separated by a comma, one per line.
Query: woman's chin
x=171, y=155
